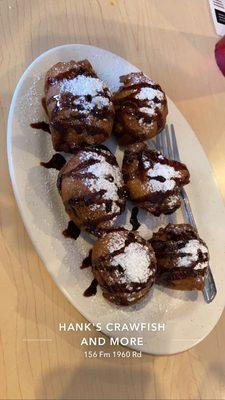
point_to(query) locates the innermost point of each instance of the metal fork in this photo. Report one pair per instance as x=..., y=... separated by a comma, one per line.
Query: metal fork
x=166, y=142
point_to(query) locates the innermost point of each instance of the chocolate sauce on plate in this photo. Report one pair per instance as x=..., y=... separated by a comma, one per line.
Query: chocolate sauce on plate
x=92, y=289
x=57, y=162
x=44, y=126
x=72, y=231
x=87, y=261
x=134, y=220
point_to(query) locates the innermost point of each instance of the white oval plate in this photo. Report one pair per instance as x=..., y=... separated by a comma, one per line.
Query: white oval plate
x=188, y=319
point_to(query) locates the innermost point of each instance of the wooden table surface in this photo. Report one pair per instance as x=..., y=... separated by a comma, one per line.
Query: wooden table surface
x=172, y=41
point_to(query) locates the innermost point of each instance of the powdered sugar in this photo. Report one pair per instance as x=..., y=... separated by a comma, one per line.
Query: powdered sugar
x=140, y=78
x=100, y=102
x=201, y=265
x=142, y=121
x=192, y=249
x=135, y=261
x=148, y=110
x=165, y=171
x=97, y=101
x=30, y=103
x=106, y=177
x=173, y=200
x=117, y=241
x=153, y=98
x=95, y=207
x=100, y=207
x=148, y=93
x=146, y=163
x=82, y=86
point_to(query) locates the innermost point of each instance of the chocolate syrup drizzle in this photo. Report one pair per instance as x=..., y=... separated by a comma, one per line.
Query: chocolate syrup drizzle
x=145, y=154
x=134, y=220
x=132, y=105
x=87, y=261
x=131, y=238
x=57, y=162
x=104, y=263
x=44, y=126
x=72, y=231
x=169, y=245
x=78, y=120
x=173, y=247
x=104, y=260
x=92, y=289
x=138, y=159
x=96, y=197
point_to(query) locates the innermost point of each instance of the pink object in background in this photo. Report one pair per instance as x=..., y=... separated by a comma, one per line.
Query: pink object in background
x=220, y=54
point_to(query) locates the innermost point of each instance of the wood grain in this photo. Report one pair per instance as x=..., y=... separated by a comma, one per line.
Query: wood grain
x=173, y=41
